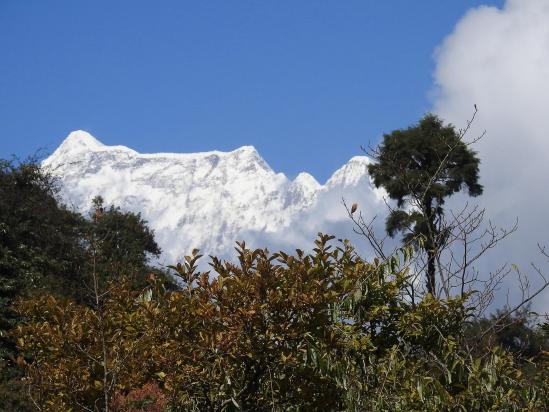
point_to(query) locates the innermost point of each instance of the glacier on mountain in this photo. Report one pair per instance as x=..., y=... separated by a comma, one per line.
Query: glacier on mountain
x=209, y=200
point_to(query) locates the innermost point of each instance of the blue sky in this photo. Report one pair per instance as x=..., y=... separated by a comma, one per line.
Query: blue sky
x=305, y=82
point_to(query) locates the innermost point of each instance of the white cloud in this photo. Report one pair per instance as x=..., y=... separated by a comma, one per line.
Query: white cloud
x=499, y=60
x=327, y=215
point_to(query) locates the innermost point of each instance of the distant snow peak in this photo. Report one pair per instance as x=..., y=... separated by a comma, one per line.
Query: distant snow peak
x=248, y=149
x=80, y=140
x=302, y=192
x=205, y=200
x=351, y=174
x=306, y=180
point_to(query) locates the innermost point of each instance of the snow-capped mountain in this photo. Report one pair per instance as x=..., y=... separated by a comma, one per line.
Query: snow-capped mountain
x=207, y=200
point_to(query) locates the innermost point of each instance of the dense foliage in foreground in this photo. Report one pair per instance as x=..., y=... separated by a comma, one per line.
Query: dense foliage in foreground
x=326, y=331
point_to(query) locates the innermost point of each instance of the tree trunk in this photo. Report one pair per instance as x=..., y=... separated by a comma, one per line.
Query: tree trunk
x=430, y=246
x=431, y=256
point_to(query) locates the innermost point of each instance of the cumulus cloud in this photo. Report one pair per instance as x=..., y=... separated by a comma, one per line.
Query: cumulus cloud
x=499, y=60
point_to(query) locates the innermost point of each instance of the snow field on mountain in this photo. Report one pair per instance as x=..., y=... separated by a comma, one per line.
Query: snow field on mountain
x=210, y=200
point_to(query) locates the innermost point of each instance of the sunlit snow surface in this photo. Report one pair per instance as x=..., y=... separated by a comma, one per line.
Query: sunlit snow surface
x=209, y=200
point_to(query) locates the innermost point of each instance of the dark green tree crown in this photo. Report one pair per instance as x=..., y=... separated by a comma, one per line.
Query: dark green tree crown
x=124, y=237
x=426, y=160
x=421, y=166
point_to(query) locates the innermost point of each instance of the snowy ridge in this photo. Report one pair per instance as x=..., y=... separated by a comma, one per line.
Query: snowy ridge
x=205, y=200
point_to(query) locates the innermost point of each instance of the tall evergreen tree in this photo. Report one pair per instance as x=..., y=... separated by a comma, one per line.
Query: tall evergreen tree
x=420, y=167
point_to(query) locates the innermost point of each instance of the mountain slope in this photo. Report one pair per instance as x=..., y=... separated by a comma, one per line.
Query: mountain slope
x=205, y=200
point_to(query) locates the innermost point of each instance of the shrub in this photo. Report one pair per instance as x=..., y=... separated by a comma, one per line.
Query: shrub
x=319, y=331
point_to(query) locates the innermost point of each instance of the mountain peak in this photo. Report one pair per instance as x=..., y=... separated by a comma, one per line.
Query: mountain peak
x=351, y=173
x=248, y=150
x=80, y=140
x=305, y=179
x=251, y=157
